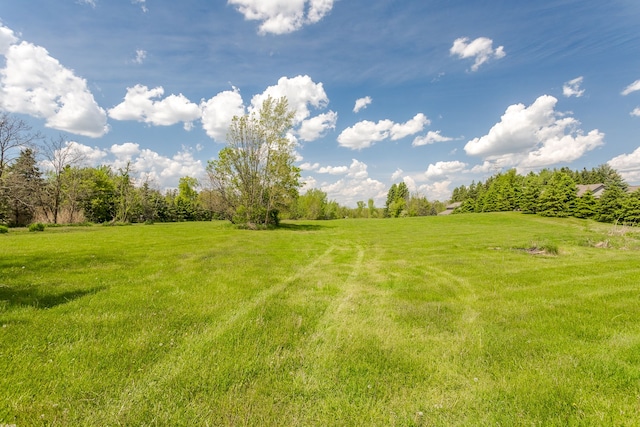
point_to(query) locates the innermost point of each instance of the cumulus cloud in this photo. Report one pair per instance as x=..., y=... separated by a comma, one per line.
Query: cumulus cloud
x=636, y=112
x=430, y=138
x=572, y=88
x=316, y=127
x=139, y=105
x=309, y=167
x=481, y=49
x=534, y=136
x=362, y=103
x=146, y=165
x=125, y=151
x=34, y=83
x=365, y=133
x=300, y=91
x=436, y=191
x=7, y=38
x=218, y=112
x=628, y=165
x=283, y=16
x=355, y=186
x=397, y=174
x=635, y=86
x=444, y=169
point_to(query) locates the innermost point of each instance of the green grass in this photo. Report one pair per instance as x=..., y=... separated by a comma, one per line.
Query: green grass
x=497, y=319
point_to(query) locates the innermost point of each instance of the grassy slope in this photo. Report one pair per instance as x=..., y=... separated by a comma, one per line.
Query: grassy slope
x=426, y=321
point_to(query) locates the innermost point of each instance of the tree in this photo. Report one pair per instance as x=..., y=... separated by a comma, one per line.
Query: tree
x=254, y=174
x=630, y=210
x=610, y=204
x=312, y=205
x=557, y=198
x=22, y=188
x=15, y=136
x=397, y=200
x=586, y=206
x=99, y=198
x=58, y=155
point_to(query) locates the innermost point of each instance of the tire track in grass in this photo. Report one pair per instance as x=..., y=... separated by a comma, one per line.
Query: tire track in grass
x=175, y=362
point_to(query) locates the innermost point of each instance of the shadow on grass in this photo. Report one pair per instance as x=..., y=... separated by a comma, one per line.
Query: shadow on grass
x=36, y=296
x=301, y=227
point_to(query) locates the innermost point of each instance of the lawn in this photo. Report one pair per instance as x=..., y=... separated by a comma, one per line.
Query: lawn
x=480, y=319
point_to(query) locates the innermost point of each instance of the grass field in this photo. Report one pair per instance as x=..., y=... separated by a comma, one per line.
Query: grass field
x=458, y=320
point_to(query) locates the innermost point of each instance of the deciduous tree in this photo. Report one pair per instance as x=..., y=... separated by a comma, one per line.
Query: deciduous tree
x=255, y=173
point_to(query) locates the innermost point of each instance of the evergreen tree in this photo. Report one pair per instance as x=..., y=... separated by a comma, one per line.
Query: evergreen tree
x=630, y=211
x=23, y=187
x=611, y=203
x=586, y=206
x=558, y=197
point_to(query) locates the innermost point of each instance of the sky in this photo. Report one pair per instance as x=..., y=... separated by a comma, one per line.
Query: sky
x=435, y=93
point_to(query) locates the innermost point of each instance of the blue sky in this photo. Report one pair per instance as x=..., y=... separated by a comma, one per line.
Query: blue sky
x=435, y=93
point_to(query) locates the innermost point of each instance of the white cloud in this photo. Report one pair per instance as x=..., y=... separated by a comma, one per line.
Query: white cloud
x=218, y=112
x=397, y=174
x=481, y=49
x=300, y=92
x=628, y=165
x=36, y=84
x=314, y=128
x=283, y=16
x=363, y=134
x=437, y=191
x=572, y=88
x=92, y=155
x=142, y=4
x=309, y=167
x=362, y=103
x=430, y=138
x=125, y=151
x=534, y=136
x=91, y=3
x=411, y=127
x=334, y=170
x=635, y=86
x=139, y=104
x=7, y=38
x=636, y=112
x=141, y=55
x=443, y=169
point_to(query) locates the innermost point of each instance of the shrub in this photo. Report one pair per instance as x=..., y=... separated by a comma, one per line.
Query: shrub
x=36, y=226
x=4, y=229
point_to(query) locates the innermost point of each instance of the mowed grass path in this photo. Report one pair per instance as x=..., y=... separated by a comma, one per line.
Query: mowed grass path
x=421, y=321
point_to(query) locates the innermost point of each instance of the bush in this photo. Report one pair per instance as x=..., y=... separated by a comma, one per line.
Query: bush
x=36, y=226
x=4, y=229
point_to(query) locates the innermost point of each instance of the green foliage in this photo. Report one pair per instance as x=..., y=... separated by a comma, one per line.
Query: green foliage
x=551, y=193
x=586, y=206
x=36, y=226
x=630, y=209
x=558, y=196
x=611, y=203
x=254, y=174
x=4, y=229
x=312, y=205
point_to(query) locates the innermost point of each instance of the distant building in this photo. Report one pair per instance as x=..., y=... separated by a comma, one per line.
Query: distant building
x=596, y=189
x=450, y=208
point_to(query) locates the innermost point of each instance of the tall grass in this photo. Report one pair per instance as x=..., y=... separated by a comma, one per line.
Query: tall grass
x=418, y=321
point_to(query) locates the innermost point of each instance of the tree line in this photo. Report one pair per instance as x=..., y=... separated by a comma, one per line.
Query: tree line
x=553, y=193
x=253, y=182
